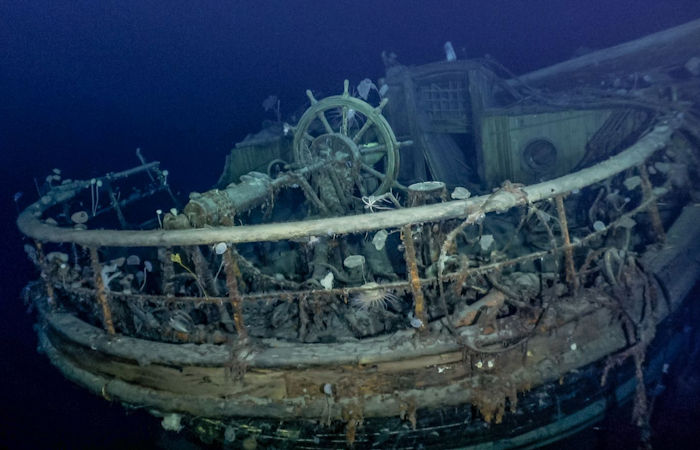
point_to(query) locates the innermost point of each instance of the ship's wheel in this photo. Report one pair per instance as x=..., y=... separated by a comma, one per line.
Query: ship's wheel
x=348, y=131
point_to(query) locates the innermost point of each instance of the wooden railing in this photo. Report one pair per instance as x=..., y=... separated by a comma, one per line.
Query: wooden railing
x=193, y=256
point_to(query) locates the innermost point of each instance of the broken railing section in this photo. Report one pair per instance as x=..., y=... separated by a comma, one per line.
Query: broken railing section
x=88, y=204
x=119, y=200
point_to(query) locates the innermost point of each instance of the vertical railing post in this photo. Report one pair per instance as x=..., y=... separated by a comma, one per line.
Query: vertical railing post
x=167, y=271
x=232, y=271
x=41, y=259
x=571, y=278
x=653, y=208
x=208, y=281
x=413, y=276
x=101, y=292
x=203, y=273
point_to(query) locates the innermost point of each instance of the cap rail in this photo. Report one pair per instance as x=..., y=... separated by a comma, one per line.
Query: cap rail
x=30, y=224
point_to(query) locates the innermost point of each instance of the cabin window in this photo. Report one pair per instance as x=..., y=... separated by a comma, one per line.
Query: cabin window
x=539, y=156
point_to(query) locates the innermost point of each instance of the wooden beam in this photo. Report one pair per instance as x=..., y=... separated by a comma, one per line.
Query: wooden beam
x=30, y=224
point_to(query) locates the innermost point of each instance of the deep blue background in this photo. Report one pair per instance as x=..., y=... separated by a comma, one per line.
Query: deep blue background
x=83, y=83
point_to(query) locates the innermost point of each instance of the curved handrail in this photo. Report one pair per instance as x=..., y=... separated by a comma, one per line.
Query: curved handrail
x=30, y=224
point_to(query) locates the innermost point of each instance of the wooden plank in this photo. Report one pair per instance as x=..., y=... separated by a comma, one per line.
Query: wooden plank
x=673, y=46
x=676, y=264
x=184, y=379
x=382, y=394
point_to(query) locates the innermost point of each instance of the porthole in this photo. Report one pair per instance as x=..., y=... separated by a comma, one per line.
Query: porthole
x=539, y=156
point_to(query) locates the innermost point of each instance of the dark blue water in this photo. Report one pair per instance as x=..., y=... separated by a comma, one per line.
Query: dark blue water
x=83, y=83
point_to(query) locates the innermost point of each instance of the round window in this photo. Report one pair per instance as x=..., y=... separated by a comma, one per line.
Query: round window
x=539, y=156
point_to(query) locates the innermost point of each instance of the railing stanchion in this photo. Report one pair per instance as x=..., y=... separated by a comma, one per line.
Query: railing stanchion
x=653, y=208
x=101, y=292
x=232, y=271
x=41, y=259
x=571, y=277
x=166, y=265
x=413, y=276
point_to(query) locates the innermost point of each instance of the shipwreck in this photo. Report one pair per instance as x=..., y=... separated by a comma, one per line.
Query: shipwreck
x=452, y=257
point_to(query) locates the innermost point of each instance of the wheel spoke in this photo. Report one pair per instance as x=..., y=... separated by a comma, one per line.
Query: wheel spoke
x=381, y=176
x=362, y=131
x=344, y=123
x=354, y=127
x=372, y=171
x=360, y=185
x=322, y=117
x=306, y=152
x=369, y=149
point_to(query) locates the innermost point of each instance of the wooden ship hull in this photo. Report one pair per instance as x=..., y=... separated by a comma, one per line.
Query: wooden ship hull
x=312, y=307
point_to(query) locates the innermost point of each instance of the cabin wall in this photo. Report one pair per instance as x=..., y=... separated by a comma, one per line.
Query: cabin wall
x=506, y=137
x=255, y=156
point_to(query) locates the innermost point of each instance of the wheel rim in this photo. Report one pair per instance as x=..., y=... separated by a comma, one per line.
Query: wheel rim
x=343, y=124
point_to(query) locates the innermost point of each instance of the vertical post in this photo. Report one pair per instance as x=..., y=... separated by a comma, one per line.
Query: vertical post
x=232, y=271
x=571, y=277
x=428, y=193
x=414, y=279
x=653, y=208
x=203, y=275
x=100, y=291
x=41, y=259
x=167, y=270
x=201, y=268
x=115, y=205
